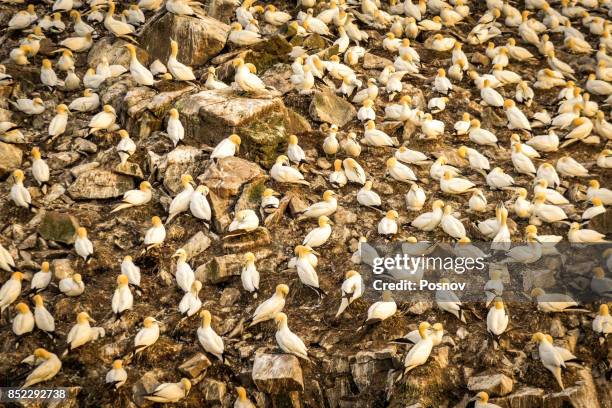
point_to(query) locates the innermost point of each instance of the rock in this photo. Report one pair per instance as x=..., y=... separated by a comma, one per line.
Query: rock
x=249, y=241
x=62, y=268
x=538, y=278
x=220, y=269
x=79, y=169
x=213, y=390
x=60, y=227
x=222, y=10
x=114, y=52
x=342, y=216
x=371, y=61
x=581, y=395
x=219, y=206
x=61, y=160
x=525, y=397
x=327, y=107
x=199, y=38
x=10, y=158
x=145, y=385
x=263, y=124
x=181, y=160
x=229, y=296
x=84, y=145
x=70, y=401
x=250, y=198
x=369, y=368
x=227, y=176
x=277, y=373
x=195, y=366
x=197, y=244
x=496, y=384
x=278, y=77
x=129, y=169
x=100, y=184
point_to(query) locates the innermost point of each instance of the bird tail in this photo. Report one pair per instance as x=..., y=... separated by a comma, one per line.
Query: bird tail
x=343, y=305
x=557, y=374
x=303, y=182
x=121, y=207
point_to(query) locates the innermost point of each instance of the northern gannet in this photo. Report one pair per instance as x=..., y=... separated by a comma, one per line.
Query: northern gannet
x=122, y=298
x=116, y=376
x=180, y=203
x=170, y=392
x=288, y=341
x=147, y=336
x=10, y=290
x=48, y=366
x=270, y=307
x=82, y=333
x=351, y=290
x=41, y=279
x=155, y=235
x=82, y=245
x=191, y=303
x=72, y=285
x=227, y=147
x=174, y=128
x=208, y=338
x=24, y=321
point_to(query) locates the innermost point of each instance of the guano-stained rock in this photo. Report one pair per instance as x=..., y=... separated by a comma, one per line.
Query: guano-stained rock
x=277, y=373
x=199, y=39
x=100, y=184
x=60, y=227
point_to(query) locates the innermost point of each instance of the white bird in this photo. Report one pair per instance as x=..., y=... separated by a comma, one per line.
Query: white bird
x=375, y=137
x=239, y=36
x=399, y=171
x=415, y=198
x=18, y=193
x=595, y=190
x=246, y=77
x=596, y=209
x=86, y=103
x=326, y=207
x=353, y=171
x=155, y=235
x=48, y=366
x=516, y=118
x=294, y=151
x=283, y=173
x=43, y=319
x=269, y=200
x=451, y=225
x=244, y=220
x=388, y=224
x=227, y=147
x=122, y=298
x=550, y=356
x=419, y=353
x=603, y=321
x=269, y=308
x=337, y=178
x=116, y=376
x=368, y=197
x=430, y=220
x=208, y=338
x=319, y=236
x=191, y=303
x=174, y=128
x=178, y=70
x=134, y=198
x=351, y=290
x=578, y=235
x=129, y=269
x=448, y=301
x=181, y=202
x=82, y=333
x=249, y=276
x=455, y=185
x=553, y=302
x=72, y=285
x=24, y=321
x=199, y=206
x=42, y=278
x=497, y=318
x=82, y=245
x=40, y=169
x=381, y=310
x=139, y=72
x=482, y=398
x=7, y=262
x=104, y=120
x=170, y=392
x=184, y=274
x=147, y=336
x=288, y=341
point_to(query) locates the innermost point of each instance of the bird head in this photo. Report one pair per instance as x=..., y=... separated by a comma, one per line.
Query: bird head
x=62, y=109
x=123, y=134
x=293, y=140
x=81, y=232
x=83, y=317
x=38, y=300
x=447, y=175
x=368, y=185
x=448, y=209
x=392, y=215
x=127, y=258
x=282, y=290
x=594, y=184
x=462, y=151
x=108, y=109
x=437, y=204
x=42, y=353
x=535, y=292
x=181, y=254
x=237, y=62
x=368, y=103
x=324, y=221
x=508, y=103
x=36, y=153
x=280, y=319
x=77, y=278
x=268, y=192
x=242, y=395
x=145, y=186
x=328, y=195
x=122, y=280
x=118, y=364
x=370, y=125
x=603, y=310
x=423, y=326
x=22, y=308
x=186, y=180
x=481, y=397
x=173, y=47
x=521, y=192
x=186, y=384
x=391, y=162
x=351, y=273
x=337, y=165
x=598, y=272
x=282, y=159
x=173, y=113
x=149, y=322
x=156, y=221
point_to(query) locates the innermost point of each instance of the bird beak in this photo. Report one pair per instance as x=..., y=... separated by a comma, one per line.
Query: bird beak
x=330, y=222
x=472, y=399
x=174, y=255
x=316, y=253
x=91, y=320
